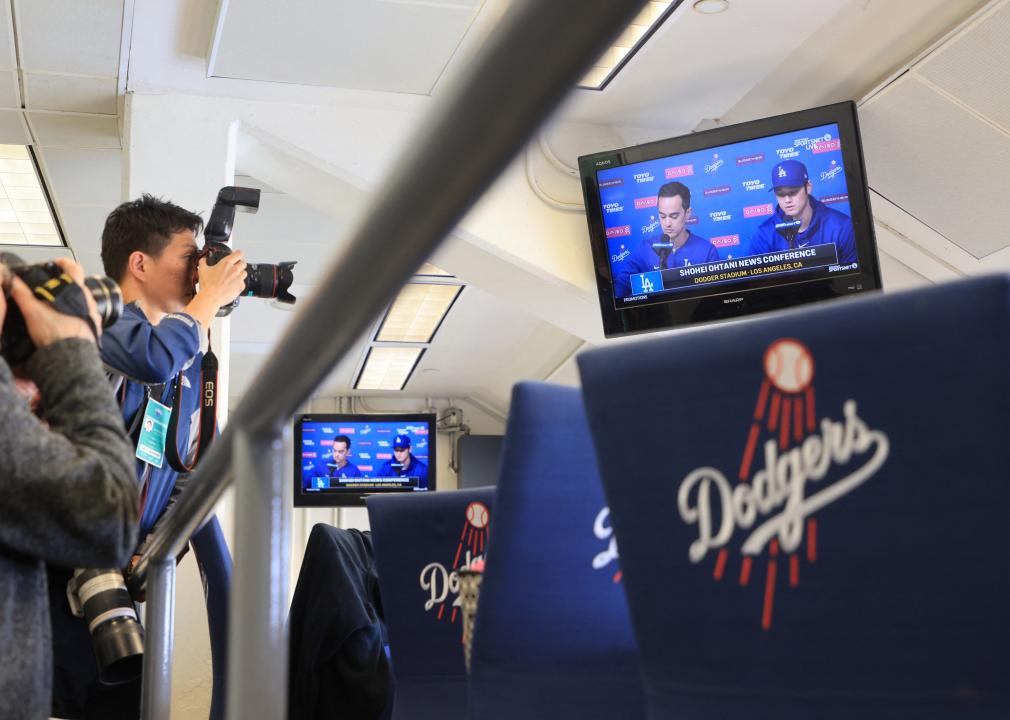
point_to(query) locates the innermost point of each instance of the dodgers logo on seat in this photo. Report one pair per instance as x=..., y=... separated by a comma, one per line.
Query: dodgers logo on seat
x=441, y=581
x=772, y=510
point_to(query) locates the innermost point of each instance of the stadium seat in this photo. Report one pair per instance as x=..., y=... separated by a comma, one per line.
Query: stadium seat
x=420, y=541
x=552, y=636
x=812, y=507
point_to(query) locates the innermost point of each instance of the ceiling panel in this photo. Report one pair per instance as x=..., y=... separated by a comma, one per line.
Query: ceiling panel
x=10, y=95
x=71, y=94
x=939, y=163
x=975, y=67
x=360, y=44
x=8, y=59
x=12, y=128
x=50, y=31
x=79, y=131
x=83, y=226
x=85, y=177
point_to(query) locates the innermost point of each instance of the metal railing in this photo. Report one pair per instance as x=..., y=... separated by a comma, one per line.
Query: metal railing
x=534, y=57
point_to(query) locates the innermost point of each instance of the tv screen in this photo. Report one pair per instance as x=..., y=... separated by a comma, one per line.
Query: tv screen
x=340, y=459
x=731, y=221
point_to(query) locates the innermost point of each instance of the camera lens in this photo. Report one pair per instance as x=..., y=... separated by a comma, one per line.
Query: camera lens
x=108, y=298
x=116, y=635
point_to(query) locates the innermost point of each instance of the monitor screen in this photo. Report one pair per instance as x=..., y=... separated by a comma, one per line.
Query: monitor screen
x=340, y=459
x=731, y=221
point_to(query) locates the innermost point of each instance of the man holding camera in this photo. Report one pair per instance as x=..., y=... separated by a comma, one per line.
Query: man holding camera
x=67, y=489
x=149, y=247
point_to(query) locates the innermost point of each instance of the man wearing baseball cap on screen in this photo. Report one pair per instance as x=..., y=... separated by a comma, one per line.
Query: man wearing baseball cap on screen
x=801, y=220
x=404, y=464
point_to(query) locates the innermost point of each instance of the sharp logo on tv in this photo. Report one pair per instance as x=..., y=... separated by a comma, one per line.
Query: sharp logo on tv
x=603, y=530
x=758, y=210
x=799, y=467
x=613, y=207
x=720, y=190
x=832, y=172
x=750, y=159
x=619, y=231
x=717, y=162
x=645, y=202
x=601, y=163
x=679, y=171
x=440, y=581
x=644, y=177
x=751, y=185
x=615, y=182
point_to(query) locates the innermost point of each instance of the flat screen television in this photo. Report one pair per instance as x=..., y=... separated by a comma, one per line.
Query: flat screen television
x=731, y=221
x=341, y=459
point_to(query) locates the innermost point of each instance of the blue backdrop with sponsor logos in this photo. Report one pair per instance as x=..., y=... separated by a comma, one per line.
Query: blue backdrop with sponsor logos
x=730, y=189
x=371, y=445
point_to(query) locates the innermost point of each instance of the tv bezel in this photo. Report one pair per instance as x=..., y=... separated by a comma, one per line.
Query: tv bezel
x=357, y=499
x=752, y=296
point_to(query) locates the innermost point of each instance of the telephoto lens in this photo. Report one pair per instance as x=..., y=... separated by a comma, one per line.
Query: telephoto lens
x=108, y=298
x=101, y=598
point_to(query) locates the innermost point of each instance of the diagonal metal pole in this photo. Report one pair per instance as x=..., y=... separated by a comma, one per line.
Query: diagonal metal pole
x=538, y=52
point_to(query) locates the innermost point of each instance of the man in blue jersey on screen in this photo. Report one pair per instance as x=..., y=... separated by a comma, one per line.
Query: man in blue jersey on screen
x=404, y=464
x=673, y=246
x=340, y=466
x=801, y=220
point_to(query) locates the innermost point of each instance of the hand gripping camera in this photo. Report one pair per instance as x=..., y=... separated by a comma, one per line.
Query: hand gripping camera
x=50, y=284
x=262, y=280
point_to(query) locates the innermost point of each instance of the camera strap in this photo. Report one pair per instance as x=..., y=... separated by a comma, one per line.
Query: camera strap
x=208, y=413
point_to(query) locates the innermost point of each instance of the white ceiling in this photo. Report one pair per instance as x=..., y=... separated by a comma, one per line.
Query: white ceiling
x=399, y=46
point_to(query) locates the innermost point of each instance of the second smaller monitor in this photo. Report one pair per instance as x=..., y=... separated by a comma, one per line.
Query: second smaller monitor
x=339, y=459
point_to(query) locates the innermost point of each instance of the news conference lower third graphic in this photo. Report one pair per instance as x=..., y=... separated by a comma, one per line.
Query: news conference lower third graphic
x=735, y=269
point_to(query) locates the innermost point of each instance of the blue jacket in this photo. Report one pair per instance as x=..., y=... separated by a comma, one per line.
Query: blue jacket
x=644, y=258
x=417, y=469
x=826, y=226
x=350, y=470
x=145, y=354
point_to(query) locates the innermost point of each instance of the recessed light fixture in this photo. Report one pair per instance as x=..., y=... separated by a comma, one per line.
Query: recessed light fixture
x=388, y=368
x=711, y=7
x=25, y=215
x=628, y=43
x=417, y=312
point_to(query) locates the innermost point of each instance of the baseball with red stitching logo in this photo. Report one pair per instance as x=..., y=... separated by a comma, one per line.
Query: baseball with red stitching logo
x=477, y=514
x=789, y=365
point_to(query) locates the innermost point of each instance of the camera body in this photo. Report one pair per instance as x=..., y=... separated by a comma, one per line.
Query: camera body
x=51, y=284
x=262, y=280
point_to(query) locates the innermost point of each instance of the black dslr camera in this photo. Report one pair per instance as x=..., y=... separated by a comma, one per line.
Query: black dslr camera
x=49, y=283
x=262, y=280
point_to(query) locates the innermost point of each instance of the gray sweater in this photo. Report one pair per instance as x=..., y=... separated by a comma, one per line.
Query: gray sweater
x=68, y=496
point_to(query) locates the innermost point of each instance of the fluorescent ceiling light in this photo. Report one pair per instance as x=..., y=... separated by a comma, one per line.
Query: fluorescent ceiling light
x=429, y=269
x=417, y=312
x=26, y=217
x=634, y=36
x=388, y=368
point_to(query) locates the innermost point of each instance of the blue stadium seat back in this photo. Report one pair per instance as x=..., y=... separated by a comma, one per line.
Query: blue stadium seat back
x=421, y=540
x=553, y=636
x=812, y=507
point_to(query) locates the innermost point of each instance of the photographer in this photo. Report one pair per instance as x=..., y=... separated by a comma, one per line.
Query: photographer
x=67, y=490
x=149, y=247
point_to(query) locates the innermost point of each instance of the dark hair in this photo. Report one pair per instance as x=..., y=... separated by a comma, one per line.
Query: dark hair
x=344, y=439
x=146, y=225
x=673, y=189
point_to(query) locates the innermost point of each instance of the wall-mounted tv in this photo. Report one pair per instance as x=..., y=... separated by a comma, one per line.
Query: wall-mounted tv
x=731, y=221
x=341, y=459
